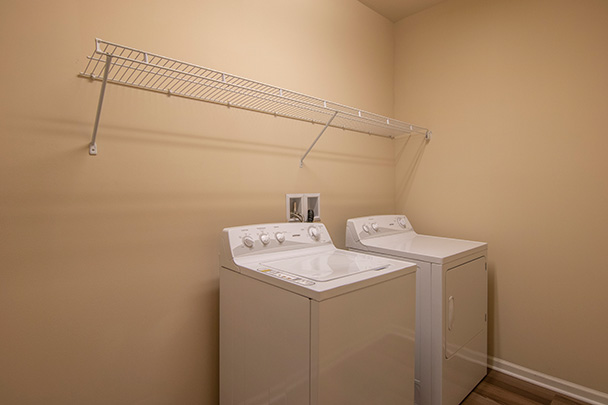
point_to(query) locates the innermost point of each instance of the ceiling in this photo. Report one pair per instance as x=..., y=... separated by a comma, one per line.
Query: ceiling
x=396, y=10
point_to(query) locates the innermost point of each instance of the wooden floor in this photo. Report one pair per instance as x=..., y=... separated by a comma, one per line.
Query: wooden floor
x=499, y=388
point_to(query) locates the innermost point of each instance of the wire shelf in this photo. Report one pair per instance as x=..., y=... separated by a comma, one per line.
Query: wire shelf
x=119, y=64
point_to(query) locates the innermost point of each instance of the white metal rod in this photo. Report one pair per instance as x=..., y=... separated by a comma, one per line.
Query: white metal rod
x=224, y=81
x=210, y=90
x=147, y=80
x=318, y=136
x=93, y=145
x=292, y=93
x=140, y=69
x=213, y=90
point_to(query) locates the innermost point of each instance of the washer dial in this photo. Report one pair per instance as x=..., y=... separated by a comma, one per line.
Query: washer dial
x=248, y=241
x=314, y=232
x=264, y=238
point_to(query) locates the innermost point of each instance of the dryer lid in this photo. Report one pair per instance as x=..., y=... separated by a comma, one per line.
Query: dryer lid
x=329, y=265
x=432, y=249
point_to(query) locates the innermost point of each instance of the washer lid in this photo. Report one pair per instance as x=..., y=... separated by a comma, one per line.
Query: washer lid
x=328, y=266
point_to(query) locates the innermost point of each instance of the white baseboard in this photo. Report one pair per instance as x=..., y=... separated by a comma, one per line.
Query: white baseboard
x=555, y=384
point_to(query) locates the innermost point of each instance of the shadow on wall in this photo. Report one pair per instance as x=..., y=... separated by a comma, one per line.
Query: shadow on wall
x=141, y=137
x=408, y=156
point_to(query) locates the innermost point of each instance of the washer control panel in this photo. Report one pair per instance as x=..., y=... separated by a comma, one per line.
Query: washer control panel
x=276, y=237
x=368, y=227
x=286, y=277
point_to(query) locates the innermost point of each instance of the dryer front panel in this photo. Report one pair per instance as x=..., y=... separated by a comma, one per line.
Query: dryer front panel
x=465, y=304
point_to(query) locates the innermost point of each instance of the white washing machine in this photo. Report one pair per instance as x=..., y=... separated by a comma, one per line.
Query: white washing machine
x=302, y=322
x=451, y=303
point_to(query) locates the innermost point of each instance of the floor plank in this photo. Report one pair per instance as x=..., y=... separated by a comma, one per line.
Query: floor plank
x=525, y=389
x=563, y=400
x=475, y=399
x=498, y=388
x=505, y=395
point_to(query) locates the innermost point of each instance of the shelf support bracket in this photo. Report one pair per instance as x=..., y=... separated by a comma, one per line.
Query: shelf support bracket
x=93, y=145
x=318, y=136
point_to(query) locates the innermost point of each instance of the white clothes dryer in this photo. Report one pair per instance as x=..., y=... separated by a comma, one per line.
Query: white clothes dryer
x=451, y=303
x=302, y=322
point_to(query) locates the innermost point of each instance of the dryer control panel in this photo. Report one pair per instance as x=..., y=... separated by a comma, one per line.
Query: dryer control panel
x=380, y=225
x=266, y=238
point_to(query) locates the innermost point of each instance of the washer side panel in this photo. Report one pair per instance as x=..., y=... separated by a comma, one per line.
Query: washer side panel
x=264, y=343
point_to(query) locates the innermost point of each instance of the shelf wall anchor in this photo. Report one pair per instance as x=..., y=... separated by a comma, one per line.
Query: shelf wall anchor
x=318, y=136
x=93, y=144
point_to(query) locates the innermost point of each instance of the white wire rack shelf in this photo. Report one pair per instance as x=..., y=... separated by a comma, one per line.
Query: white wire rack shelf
x=118, y=64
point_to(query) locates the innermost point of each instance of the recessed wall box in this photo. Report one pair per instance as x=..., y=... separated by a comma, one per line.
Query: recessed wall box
x=298, y=205
x=293, y=207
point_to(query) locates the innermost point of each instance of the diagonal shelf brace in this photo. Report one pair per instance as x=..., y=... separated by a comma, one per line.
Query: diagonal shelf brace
x=318, y=136
x=93, y=145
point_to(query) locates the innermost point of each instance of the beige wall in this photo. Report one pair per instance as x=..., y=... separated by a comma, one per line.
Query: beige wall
x=516, y=93
x=108, y=264
x=109, y=268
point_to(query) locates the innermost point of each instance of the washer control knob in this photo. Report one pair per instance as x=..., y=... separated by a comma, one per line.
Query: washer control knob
x=280, y=236
x=248, y=241
x=314, y=232
x=402, y=223
x=365, y=228
x=375, y=226
x=264, y=238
